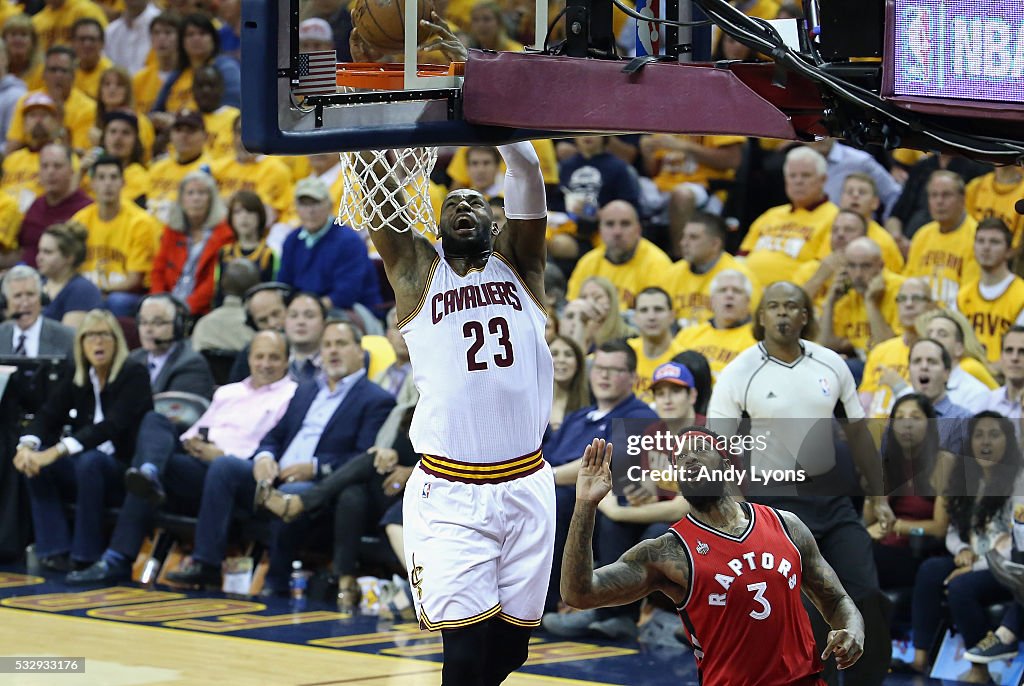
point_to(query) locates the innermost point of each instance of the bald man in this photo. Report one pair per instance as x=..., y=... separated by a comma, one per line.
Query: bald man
x=625, y=257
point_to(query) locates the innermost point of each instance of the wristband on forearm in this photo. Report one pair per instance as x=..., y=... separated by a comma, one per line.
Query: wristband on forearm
x=525, y=196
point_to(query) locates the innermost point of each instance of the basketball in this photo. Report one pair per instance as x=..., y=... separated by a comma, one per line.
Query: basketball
x=381, y=23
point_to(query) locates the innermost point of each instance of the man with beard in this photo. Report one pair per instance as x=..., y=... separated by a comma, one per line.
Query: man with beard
x=625, y=257
x=734, y=570
x=479, y=508
x=785, y=394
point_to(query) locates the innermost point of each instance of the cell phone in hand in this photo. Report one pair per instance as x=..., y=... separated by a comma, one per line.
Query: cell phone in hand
x=204, y=434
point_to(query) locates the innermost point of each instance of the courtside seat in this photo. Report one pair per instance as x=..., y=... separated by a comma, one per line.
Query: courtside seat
x=245, y=528
x=375, y=554
x=183, y=409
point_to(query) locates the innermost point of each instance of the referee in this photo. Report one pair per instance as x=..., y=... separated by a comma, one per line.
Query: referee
x=787, y=391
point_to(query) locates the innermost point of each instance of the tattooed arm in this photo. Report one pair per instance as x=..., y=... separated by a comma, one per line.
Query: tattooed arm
x=650, y=565
x=640, y=571
x=822, y=586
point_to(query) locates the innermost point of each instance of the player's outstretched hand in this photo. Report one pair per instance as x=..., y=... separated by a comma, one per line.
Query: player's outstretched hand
x=595, y=476
x=442, y=38
x=846, y=645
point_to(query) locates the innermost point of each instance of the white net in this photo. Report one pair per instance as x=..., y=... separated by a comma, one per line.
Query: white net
x=367, y=202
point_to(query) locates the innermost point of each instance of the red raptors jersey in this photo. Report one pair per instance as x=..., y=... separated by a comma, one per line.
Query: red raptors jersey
x=743, y=613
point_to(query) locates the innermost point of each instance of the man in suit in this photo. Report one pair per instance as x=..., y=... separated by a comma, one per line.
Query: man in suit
x=27, y=333
x=329, y=421
x=235, y=423
x=172, y=364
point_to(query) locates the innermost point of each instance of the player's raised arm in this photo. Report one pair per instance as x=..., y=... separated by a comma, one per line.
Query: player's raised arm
x=633, y=576
x=822, y=586
x=390, y=244
x=526, y=210
x=400, y=246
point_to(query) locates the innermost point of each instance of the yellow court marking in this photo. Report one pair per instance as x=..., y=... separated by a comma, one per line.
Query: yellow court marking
x=124, y=654
x=12, y=580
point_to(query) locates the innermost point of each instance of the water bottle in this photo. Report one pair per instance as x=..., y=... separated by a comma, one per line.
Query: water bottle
x=298, y=580
x=150, y=571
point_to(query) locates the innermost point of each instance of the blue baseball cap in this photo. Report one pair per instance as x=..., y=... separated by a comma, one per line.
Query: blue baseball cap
x=673, y=372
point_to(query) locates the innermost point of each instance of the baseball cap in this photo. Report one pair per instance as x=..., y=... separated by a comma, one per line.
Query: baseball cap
x=312, y=187
x=190, y=118
x=673, y=372
x=315, y=28
x=39, y=100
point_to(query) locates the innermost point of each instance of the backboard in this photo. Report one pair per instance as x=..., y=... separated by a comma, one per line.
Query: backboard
x=408, y=107
x=800, y=88
x=498, y=97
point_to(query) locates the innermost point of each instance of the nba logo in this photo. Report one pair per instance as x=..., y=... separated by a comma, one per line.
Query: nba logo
x=825, y=388
x=426, y=491
x=703, y=548
x=648, y=34
x=920, y=43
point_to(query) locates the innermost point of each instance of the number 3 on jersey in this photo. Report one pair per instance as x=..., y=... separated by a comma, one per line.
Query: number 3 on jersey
x=766, y=607
x=474, y=331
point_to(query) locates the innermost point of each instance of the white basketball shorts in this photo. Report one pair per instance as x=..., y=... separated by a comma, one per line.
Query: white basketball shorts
x=479, y=550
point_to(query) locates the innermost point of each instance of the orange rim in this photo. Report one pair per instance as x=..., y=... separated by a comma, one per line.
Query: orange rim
x=389, y=76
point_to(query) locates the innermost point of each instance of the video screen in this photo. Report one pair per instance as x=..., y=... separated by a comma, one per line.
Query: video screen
x=963, y=49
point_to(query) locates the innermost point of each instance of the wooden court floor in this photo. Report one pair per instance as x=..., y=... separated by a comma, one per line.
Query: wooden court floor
x=134, y=636
x=132, y=655
x=130, y=635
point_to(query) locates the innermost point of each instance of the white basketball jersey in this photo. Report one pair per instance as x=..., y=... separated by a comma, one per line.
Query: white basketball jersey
x=480, y=363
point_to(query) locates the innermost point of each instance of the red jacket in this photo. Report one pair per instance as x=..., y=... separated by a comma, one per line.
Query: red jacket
x=170, y=261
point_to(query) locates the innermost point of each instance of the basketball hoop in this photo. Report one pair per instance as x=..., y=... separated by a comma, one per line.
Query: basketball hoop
x=407, y=206
x=367, y=202
x=403, y=206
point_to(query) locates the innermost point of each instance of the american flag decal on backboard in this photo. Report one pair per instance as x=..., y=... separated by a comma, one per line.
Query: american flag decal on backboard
x=317, y=73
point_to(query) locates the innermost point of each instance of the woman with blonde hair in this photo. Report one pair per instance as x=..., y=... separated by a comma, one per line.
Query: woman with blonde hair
x=594, y=317
x=969, y=379
x=24, y=57
x=105, y=400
